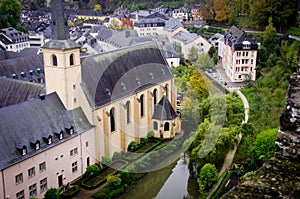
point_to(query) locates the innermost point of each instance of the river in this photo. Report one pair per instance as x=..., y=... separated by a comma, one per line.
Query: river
x=170, y=182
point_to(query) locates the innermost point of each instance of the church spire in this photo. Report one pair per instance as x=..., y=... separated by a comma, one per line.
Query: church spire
x=59, y=21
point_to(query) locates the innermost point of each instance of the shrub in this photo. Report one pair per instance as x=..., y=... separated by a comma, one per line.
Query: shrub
x=92, y=170
x=143, y=140
x=105, y=160
x=71, y=192
x=133, y=146
x=52, y=193
x=110, y=178
x=150, y=134
x=117, y=155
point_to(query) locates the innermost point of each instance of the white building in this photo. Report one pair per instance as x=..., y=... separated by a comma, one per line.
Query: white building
x=239, y=54
x=13, y=40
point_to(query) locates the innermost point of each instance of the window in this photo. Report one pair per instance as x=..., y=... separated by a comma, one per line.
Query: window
x=71, y=59
x=166, y=89
x=19, y=178
x=49, y=140
x=74, y=167
x=142, y=105
x=42, y=166
x=24, y=150
x=20, y=195
x=88, y=161
x=237, y=69
x=238, y=61
x=167, y=126
x=128, y=112
x=54, y=60
x=86, y=144
x=112, y=120
x=37, y=145
x=74, y=152
x=155, y=125
x=238, y=54
x=251, y=61
x=43, y=185
x=155, y=97
x=61, y=135
x=31, y=172
x=32, y=190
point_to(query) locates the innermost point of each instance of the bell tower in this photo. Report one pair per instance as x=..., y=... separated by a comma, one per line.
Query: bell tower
x=62, y=59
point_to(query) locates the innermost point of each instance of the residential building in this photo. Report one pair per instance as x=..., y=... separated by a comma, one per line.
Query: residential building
x=150, y=27
x=181, y=13
x=239, y=54
x=94, y=106
x=13, y=40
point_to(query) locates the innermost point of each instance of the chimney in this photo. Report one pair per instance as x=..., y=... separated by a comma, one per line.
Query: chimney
x=42, y=96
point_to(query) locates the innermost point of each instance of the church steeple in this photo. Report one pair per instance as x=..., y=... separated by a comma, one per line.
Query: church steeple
x=59, y=22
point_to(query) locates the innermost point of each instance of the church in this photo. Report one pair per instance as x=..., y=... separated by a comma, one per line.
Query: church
x=92, y=106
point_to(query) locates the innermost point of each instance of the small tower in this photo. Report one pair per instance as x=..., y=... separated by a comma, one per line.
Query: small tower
x=166, y=122
x=62, y=59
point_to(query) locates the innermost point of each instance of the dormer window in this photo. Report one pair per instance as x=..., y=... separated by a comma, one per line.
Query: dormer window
x=49, y=140
x=70, y=130
x=37, y=145
x=61, y=135
x=24, y=150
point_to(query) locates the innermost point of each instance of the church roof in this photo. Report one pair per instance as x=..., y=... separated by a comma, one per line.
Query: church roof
x=61, y=44
x=26, y=123
x=164, y=110
x=110, y=76
x=16, y=91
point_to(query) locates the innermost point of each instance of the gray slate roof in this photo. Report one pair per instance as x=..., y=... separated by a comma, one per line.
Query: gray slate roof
x=185, y=37
x=26, y=123
x=164, y=110
x=14, y=35
x=16, y=91
x=235, y=38
x=113, y=75
x=28, y=64
x=61, y=44
x=172, y=24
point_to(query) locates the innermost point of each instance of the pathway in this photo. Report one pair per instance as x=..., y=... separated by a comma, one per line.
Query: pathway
x=229, y=158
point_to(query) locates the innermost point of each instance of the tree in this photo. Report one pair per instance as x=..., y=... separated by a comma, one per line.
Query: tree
x=92, y=4
x=10, y=11
x=264, y=145
x=221, y=10
x=193, y=54
x=207, y=177
x=269, y=37
x=204, y=62
x=52, y=193
x=207, y=10
x=92, y=170
x=97, y=8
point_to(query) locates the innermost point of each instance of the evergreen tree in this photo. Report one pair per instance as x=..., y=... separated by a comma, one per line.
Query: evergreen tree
x=10, y=11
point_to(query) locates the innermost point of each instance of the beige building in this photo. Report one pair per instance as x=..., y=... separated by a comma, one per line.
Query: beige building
x=94, y=106
x=238, y=53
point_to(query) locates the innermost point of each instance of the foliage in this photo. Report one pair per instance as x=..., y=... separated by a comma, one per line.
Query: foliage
x=133, y=145
x=72, y=191
x=150, y=134
x=97, y=8
x=105, y=160
x=117, y=155
x=92, y=170
x=205, y=62
x=110, y=178
x=52, y=193
x=143, y=140
x=193, y=54
x=264, y=145
x=295, y=31
x=207, y=178
x=221, y=9
x=269, y=37
x=10, y=11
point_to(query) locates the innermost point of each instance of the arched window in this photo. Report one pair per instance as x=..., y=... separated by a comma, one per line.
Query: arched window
x=155, y=125
x=166, y=89
x=127, y=112
x=71, y=59
x=142, y=105
x=112, y=120
x=54, y=60
x=154, y=97
x=167, y=126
